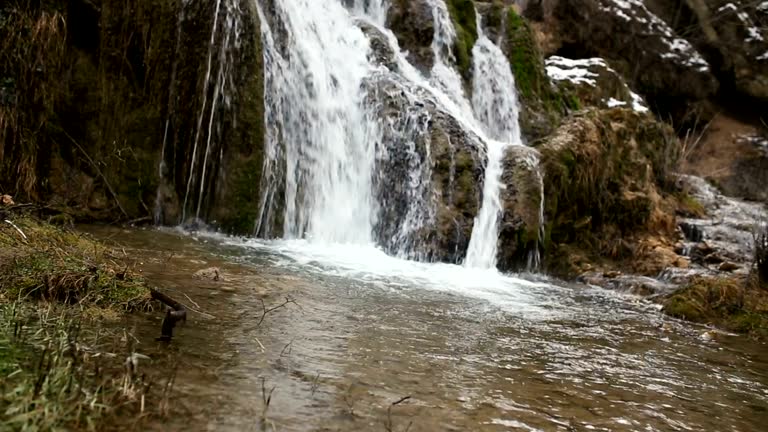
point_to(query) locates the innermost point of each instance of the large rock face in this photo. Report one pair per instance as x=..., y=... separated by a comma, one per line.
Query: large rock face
x=127, y=104
x=593, y=83
x=413, y=24
x=665, y=68
x=429, y=174
x=732, y=36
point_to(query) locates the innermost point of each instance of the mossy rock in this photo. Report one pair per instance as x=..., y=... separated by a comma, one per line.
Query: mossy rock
x=732, y=303
x=604, y=173
x=543, y=104
x=465, y=21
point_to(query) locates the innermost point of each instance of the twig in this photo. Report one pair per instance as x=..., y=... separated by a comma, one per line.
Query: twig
x=388, y=425
x=17, y=228
x=98, y=170
x=262, y=346
x=191, y=301
x=266, y=311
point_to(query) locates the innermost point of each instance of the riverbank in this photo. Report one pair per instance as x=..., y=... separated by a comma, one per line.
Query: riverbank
x=66, y=362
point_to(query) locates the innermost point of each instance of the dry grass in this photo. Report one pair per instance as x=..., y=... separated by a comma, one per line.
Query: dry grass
x=733, y=303
x=32, y=61
x=60, y=265
x=60, y=372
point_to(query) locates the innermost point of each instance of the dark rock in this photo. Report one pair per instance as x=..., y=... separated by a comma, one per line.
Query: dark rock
x=662, y=66
x=728, y=267
x=413, y=24
x=692, y=232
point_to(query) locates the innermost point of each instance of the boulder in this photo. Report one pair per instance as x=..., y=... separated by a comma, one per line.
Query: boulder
x=6, y=200
x=660, y=64
x=605, y=173
x=521, y=226
x=731, y=35
x=429, y=174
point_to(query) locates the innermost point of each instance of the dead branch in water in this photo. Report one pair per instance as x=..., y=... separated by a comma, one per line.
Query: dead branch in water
x=265, y=311
x=174, y=314
x=388, y=425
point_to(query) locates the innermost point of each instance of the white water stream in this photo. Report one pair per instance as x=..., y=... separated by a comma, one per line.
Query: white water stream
x=322, y=134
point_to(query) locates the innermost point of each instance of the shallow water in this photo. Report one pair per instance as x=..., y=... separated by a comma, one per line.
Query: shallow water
x=474, y=350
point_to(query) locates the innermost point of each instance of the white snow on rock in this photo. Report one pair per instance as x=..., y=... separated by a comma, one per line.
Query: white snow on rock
x=637, y=102
x=612, y=102
x=763, y=56
x=680, y=50
x=575, y=71
x=755, y=35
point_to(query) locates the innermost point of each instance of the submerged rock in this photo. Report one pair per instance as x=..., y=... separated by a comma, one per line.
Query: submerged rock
x=212, y=273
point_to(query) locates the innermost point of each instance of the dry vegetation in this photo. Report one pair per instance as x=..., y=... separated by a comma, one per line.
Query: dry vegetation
x=735, y=303
x=64, y=363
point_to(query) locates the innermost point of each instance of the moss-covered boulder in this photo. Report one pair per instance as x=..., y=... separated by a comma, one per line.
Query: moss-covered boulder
x=733, y=303
x=606, y=172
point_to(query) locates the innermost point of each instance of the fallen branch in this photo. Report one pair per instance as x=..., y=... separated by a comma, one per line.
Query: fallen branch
x=174, y=314
x=388, y=425
x=17, y=229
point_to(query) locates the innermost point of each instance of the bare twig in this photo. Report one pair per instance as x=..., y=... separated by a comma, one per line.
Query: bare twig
x=265, y=311
x=388, y=425
x=98, y=170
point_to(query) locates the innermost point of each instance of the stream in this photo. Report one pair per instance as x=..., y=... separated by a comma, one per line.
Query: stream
x=473, y=349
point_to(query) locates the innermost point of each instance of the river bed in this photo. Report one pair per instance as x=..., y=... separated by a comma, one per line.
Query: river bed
x=472, y=350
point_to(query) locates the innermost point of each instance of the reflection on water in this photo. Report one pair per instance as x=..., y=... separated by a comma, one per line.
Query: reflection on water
x=476, y=351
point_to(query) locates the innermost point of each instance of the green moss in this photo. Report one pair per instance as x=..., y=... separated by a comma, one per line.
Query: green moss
x=465, y=21
x=689, y=206
x=523, y=56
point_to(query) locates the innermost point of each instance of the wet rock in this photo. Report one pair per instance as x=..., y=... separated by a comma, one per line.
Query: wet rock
x=521, y=226
x=728, y=267
x=692, y=232
x=414, y=26
x=212, y=273
x=6, y=200
x=381, y=50
x=429, y=169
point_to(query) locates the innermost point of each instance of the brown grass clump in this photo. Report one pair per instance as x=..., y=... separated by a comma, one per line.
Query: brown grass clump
x=58, y=265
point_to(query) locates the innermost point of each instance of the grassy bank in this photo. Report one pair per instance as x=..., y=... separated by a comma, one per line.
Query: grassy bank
x=65, y=364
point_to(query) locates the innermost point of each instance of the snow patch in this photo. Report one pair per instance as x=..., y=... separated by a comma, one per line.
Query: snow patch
x=763, y=56
x=638, y=103
x=612, y=102
x=575, y=71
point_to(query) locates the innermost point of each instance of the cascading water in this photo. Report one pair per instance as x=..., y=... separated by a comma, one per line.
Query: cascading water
x=224, y=41
x=495, y=104
x=327, y=147
x=319, y=129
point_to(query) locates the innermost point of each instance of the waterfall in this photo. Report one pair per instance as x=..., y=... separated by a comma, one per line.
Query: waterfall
x=319, y=131
x=328, y=147
x=494, y=99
